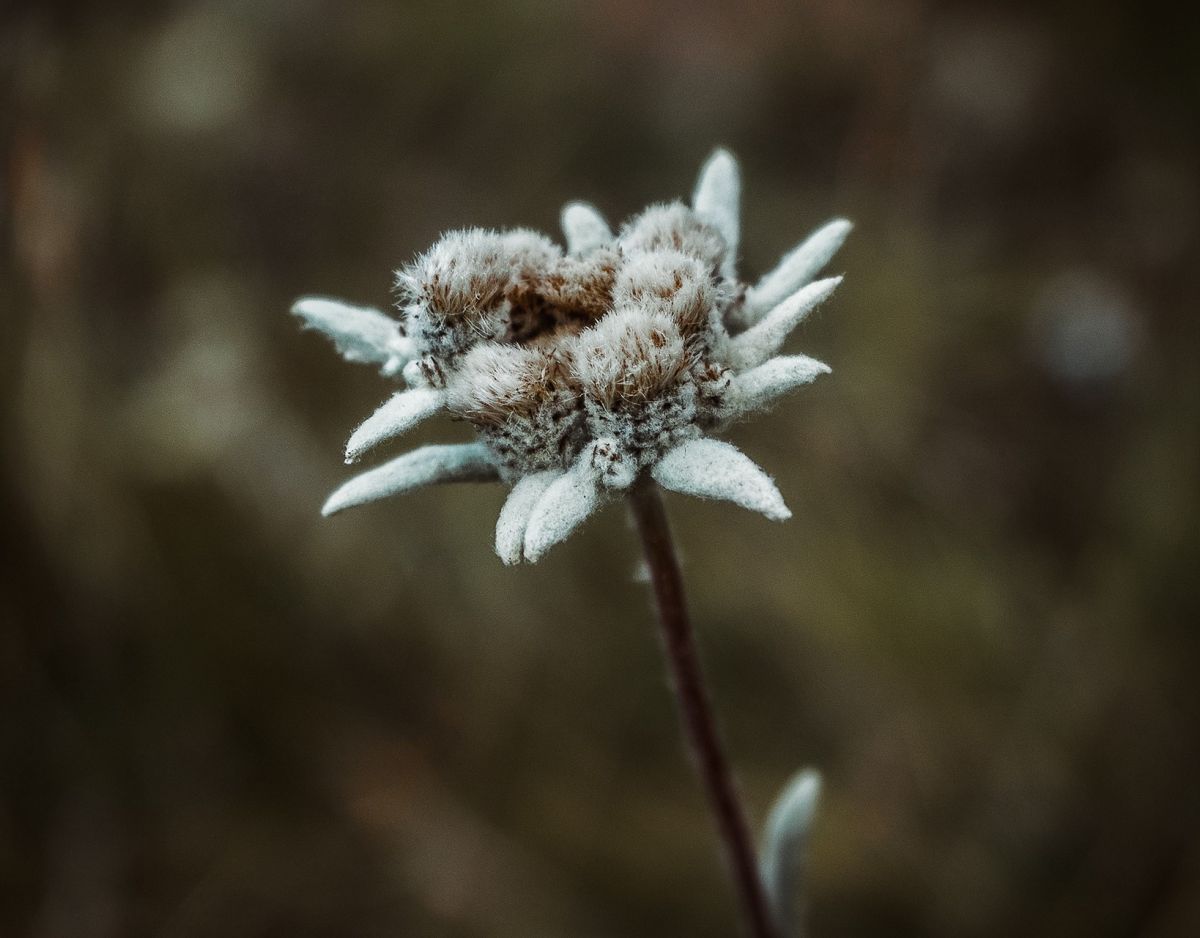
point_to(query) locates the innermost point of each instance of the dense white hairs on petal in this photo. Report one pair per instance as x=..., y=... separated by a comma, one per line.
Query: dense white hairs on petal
x=759, y=387
x=463, y=259
x=566, y=504
x=796, y=268
x=462, y=273
x=580, y=289
x=398, y=414
x=494, y=381
x=464, y=462
x=717, y=200
x=613, y=466
x=455, y=293
x=524, y=401
x=785, y=845
x=492, y=376
x=530, y=252
x=672, y=226
x=514, y=516
x=360, y=333
x=584, y=227
x=716, y=469
x=631, y=354
x=415, y=375
x=764, y=338
x=668, y=282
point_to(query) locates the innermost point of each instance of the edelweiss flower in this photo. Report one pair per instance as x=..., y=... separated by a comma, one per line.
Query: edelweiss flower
x=581, y=369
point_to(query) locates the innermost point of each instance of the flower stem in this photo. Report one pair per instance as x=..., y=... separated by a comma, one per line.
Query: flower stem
x=694, y=707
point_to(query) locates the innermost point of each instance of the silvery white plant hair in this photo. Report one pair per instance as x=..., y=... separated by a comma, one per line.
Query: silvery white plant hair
x=672, y=283
x=675, y=227
x=524, y=403
x=585, y=367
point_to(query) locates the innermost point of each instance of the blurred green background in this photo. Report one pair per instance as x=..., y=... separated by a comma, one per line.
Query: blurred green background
x=221, y=715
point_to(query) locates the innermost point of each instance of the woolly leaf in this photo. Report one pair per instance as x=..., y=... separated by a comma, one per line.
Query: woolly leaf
x=785, y=844
x=764, y=338
x=796, y=268
x=398, y=414
x=566, y=504
x=360, y=333
x=463, y=462
x=716, y=469
x=759, y=387
x=584, y=227
x=717, y=200
x=514, y=516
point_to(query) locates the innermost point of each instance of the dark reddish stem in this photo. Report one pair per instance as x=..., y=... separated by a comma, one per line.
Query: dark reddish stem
x=694, y=706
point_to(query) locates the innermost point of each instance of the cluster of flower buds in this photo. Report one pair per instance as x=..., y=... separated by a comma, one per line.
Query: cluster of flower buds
x=582, y=368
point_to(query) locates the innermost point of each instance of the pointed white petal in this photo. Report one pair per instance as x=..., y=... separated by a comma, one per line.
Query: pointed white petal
x=401, y=412
x=796, y=268
x=715, y=469
x=462, y=462
x=759, y=387
x=360, y=333
x=584, y=227
x=763, y=339
x=514, y=516
x=717, y=200
x=564, y=505
x=785, y=843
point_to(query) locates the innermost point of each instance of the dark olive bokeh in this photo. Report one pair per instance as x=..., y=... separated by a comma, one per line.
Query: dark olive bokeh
x=224, y=716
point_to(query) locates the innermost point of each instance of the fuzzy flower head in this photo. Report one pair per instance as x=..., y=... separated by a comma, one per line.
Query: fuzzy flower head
x=581, y=369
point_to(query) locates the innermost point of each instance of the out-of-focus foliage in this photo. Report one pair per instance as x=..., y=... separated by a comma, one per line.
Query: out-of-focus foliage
x=224, y=716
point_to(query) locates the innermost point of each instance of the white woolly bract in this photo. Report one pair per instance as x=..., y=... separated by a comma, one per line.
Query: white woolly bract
x=668, y=282
x=673, y=226
x=717, y=201
x=584, y=227
x=514, y=516
x=463, y=462
x=566, y=504
x=397, y=415
x=630, y=355
x=796, y=268
x=360, y=333
x=716, y=469
x=764, y=338
x=785, y=844
x=759, y=387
